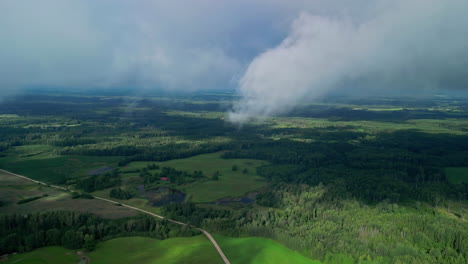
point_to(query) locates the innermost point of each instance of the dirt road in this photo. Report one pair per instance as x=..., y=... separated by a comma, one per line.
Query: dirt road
x=208, y=235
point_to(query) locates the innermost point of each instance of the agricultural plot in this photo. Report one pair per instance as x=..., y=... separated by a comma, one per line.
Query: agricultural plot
x=456, y=126
x=148, y=251
x=184, y=250
x=48, y=255
x=38, y=162
x=256, y=250
x=14, y=189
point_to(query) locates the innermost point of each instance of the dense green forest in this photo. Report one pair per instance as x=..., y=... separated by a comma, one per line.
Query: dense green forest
x=344, y=181
x=20, y=233
x=313, y=221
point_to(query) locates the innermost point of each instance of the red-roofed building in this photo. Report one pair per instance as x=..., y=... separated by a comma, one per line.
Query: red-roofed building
x=164, y=179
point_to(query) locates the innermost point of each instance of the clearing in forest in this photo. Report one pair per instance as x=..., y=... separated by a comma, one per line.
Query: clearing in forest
x=230, y=183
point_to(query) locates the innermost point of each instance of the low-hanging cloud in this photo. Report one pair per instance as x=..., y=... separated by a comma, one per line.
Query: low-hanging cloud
x=402, y=44
x=147, y=44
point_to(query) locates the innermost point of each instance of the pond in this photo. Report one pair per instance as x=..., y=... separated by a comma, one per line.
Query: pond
x=247, y=199
x=164, y=195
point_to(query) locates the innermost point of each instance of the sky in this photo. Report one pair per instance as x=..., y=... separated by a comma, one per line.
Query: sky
x=275, y=54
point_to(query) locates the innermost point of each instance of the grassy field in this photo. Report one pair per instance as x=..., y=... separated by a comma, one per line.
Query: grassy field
x=451, y=126
x=457, y=175
x=230, y=183
x=184, y=250
x=125, y=250
x=147, y=250
x=13, y=189
x=38, y=162
x=48, y=255
x=256, y=250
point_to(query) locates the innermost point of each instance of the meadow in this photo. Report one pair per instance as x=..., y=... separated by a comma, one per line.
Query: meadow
x=192, y=250
x=14, y=189
x=255, y=250
x=41, y=163
x=230, y=183
x=49, y=255
x=146, y=250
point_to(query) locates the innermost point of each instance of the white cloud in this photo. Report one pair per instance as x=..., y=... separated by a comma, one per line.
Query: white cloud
x=418, y=44
x=144, y=44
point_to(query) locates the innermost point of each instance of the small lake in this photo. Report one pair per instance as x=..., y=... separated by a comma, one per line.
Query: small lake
x=164, y=195
x=248, y=199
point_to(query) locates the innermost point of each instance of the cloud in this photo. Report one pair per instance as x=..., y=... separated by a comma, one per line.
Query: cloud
x=403, y=44
x=143, y=44
x=279, y=53
x=48, y=43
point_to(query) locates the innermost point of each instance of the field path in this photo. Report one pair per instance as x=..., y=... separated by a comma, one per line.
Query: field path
x=208, y=235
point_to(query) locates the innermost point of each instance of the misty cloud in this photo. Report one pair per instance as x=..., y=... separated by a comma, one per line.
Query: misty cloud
x=405, y=44
x=141, y=44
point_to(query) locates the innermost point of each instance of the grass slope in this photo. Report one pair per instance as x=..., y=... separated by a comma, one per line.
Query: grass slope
x=147, y=251
x=256, y=250
x=183, y=250
x=48, y=255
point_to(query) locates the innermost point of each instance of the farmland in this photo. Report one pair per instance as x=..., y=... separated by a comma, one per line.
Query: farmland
x=50, y=255
x=256, y=250
x=175, y=250
x=14, y=189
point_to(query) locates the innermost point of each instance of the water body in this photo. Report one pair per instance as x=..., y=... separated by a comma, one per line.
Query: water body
x=249, y=198
x=241, y=200
x=164, y=195
x=100, y=171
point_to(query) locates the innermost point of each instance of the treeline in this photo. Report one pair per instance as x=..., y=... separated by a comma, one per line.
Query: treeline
x=118, y=193
x=163, y=152
x=74, y=142
x=348, y=114
x=30, y=199
x=21, y=233
x=100, y=182
x=172, y=151
x=190, y=213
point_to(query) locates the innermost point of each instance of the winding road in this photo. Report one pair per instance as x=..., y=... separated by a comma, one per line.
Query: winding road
x=208, y=235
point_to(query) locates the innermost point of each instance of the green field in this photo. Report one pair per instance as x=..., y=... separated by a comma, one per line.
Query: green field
x=457, y=175
x=39, y=162
x=48, y=255
x=256, y=250
x=455, y=126
x=185, y=250
x=14, y=189
x=230, y=183
x=147, y=250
